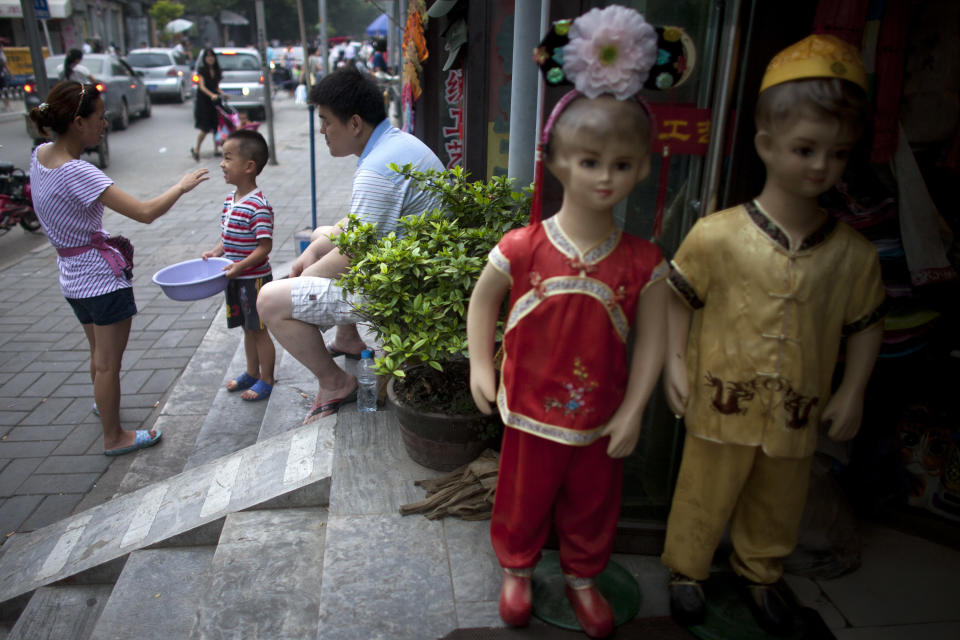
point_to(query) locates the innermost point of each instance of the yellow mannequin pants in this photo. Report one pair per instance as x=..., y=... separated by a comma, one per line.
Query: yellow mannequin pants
x=761, y=497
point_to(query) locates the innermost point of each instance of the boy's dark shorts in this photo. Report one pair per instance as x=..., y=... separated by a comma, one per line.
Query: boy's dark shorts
x=107, y=309
x=242, y=302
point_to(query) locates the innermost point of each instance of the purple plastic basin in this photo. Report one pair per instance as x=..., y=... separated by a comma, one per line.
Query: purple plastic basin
x=193, y=279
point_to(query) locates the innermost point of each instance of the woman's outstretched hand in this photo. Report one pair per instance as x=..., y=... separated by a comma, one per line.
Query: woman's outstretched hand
x=192, y=179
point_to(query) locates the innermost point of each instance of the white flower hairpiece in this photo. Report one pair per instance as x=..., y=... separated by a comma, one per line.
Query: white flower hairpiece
x=611, y=50
x=43, y=106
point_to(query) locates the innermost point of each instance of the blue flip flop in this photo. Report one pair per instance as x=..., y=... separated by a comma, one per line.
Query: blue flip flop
x=262, y=389
x=142, y=442
x=244, y=381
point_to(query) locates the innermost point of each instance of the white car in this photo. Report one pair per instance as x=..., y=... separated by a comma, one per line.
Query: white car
x=166, y=72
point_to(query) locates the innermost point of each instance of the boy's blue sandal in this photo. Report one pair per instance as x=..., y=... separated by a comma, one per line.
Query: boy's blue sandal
x=244, y=381
x=142, y=442
x=262, y=389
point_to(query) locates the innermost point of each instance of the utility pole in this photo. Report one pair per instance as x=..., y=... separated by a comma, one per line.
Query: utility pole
x=36, y=49
x=324, y=48
x=267, y=80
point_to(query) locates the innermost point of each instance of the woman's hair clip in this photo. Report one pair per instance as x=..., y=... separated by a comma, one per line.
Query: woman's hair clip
x=614, y=50
x=43, y=106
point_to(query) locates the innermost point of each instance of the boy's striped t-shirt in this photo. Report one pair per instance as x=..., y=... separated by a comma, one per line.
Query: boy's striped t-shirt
x=243, y=223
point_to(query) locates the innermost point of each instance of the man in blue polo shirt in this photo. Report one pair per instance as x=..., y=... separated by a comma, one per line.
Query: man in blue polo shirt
x=353, y=121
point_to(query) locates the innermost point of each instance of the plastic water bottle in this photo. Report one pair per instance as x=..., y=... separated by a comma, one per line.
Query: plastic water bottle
x=367, y=380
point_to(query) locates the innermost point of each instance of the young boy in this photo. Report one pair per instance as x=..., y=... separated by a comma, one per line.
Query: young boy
x=246, y=237
x=772, y=286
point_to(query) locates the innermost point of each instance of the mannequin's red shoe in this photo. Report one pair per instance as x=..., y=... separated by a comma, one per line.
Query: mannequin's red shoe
x=593, y=612
x=516, y=599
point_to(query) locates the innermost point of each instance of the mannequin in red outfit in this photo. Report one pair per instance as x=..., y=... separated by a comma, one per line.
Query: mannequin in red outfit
x=570, y=394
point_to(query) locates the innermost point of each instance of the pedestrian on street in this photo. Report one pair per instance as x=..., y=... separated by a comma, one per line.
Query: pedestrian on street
x=69, y=195
x=208, y=96
x=72, y=69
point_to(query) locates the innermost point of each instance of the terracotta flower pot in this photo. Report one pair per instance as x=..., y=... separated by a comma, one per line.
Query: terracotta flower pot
x=440, y=441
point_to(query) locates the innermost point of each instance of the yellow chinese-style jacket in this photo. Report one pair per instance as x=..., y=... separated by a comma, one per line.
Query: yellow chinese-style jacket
x=767, y=324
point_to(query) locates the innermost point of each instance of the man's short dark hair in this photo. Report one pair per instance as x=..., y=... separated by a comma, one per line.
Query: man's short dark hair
x=347, y=92
x=251, y=146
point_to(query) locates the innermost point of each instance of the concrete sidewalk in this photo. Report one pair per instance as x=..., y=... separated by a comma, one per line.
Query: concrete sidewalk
x=51, y=459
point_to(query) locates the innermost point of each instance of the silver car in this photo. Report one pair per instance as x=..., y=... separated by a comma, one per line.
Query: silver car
x=166, y=72
x=242, y=80
x=121, y=88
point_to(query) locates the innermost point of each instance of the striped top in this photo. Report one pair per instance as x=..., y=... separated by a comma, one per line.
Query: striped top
x=67, y=205
x=382, y=196
x=243, y=225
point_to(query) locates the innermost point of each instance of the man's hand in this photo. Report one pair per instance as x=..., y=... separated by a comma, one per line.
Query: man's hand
x=298, y=266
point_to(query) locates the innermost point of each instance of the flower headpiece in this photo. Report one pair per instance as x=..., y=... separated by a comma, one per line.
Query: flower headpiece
x=612, y=50
x=43, y=106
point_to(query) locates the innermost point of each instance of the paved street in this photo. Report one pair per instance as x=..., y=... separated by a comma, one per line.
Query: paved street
x=50, y=442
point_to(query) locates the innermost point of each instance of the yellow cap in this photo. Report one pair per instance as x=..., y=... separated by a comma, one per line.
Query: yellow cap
x=816, y=56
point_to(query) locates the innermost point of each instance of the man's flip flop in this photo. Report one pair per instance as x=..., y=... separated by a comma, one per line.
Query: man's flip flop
x=335, y=353
x=244, y=381
x=318, y=411
x=142, y=442
x=262, y=389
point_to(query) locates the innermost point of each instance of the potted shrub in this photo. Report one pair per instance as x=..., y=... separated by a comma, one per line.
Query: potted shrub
x=414, y=288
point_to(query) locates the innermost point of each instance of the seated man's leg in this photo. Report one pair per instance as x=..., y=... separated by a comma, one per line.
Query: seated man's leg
x=320, y=245
x=287, y=308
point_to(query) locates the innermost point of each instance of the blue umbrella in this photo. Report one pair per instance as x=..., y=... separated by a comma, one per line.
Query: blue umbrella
x=378, y=27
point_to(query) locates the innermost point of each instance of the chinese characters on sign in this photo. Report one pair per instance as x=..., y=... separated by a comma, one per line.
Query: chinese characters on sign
x=684, y=129
x=453, y=132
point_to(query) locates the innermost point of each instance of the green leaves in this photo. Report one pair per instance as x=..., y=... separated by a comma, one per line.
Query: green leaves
x=415, y=285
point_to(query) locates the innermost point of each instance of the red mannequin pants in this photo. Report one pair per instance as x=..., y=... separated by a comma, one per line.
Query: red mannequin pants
x=577, y=488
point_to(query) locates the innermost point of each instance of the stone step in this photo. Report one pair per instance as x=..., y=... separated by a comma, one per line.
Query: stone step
x=59, y=612
x=230, y=423
x=294, y=462
x=265, y=578
x=186, y=408
x=384, y=576
x=291, y=397
x=156, y=596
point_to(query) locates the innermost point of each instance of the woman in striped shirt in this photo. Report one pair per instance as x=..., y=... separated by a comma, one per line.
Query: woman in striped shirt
x=69, y=195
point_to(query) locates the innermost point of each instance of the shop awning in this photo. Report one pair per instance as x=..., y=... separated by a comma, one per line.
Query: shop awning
x=59, y=9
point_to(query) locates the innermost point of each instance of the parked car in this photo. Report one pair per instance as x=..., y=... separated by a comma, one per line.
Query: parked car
x=166, y=72
x=242, y=81
x=121, y=88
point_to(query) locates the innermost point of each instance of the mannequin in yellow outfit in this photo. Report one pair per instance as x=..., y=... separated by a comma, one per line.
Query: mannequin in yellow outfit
x=771, y=286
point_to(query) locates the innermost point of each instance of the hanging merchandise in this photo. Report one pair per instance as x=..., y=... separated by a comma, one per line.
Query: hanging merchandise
x=414, y=52
x=926, y=255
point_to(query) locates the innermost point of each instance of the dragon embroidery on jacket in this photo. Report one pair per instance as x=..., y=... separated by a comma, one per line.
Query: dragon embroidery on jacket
x=732, y=397
x=727, y=396
x=798, y=408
